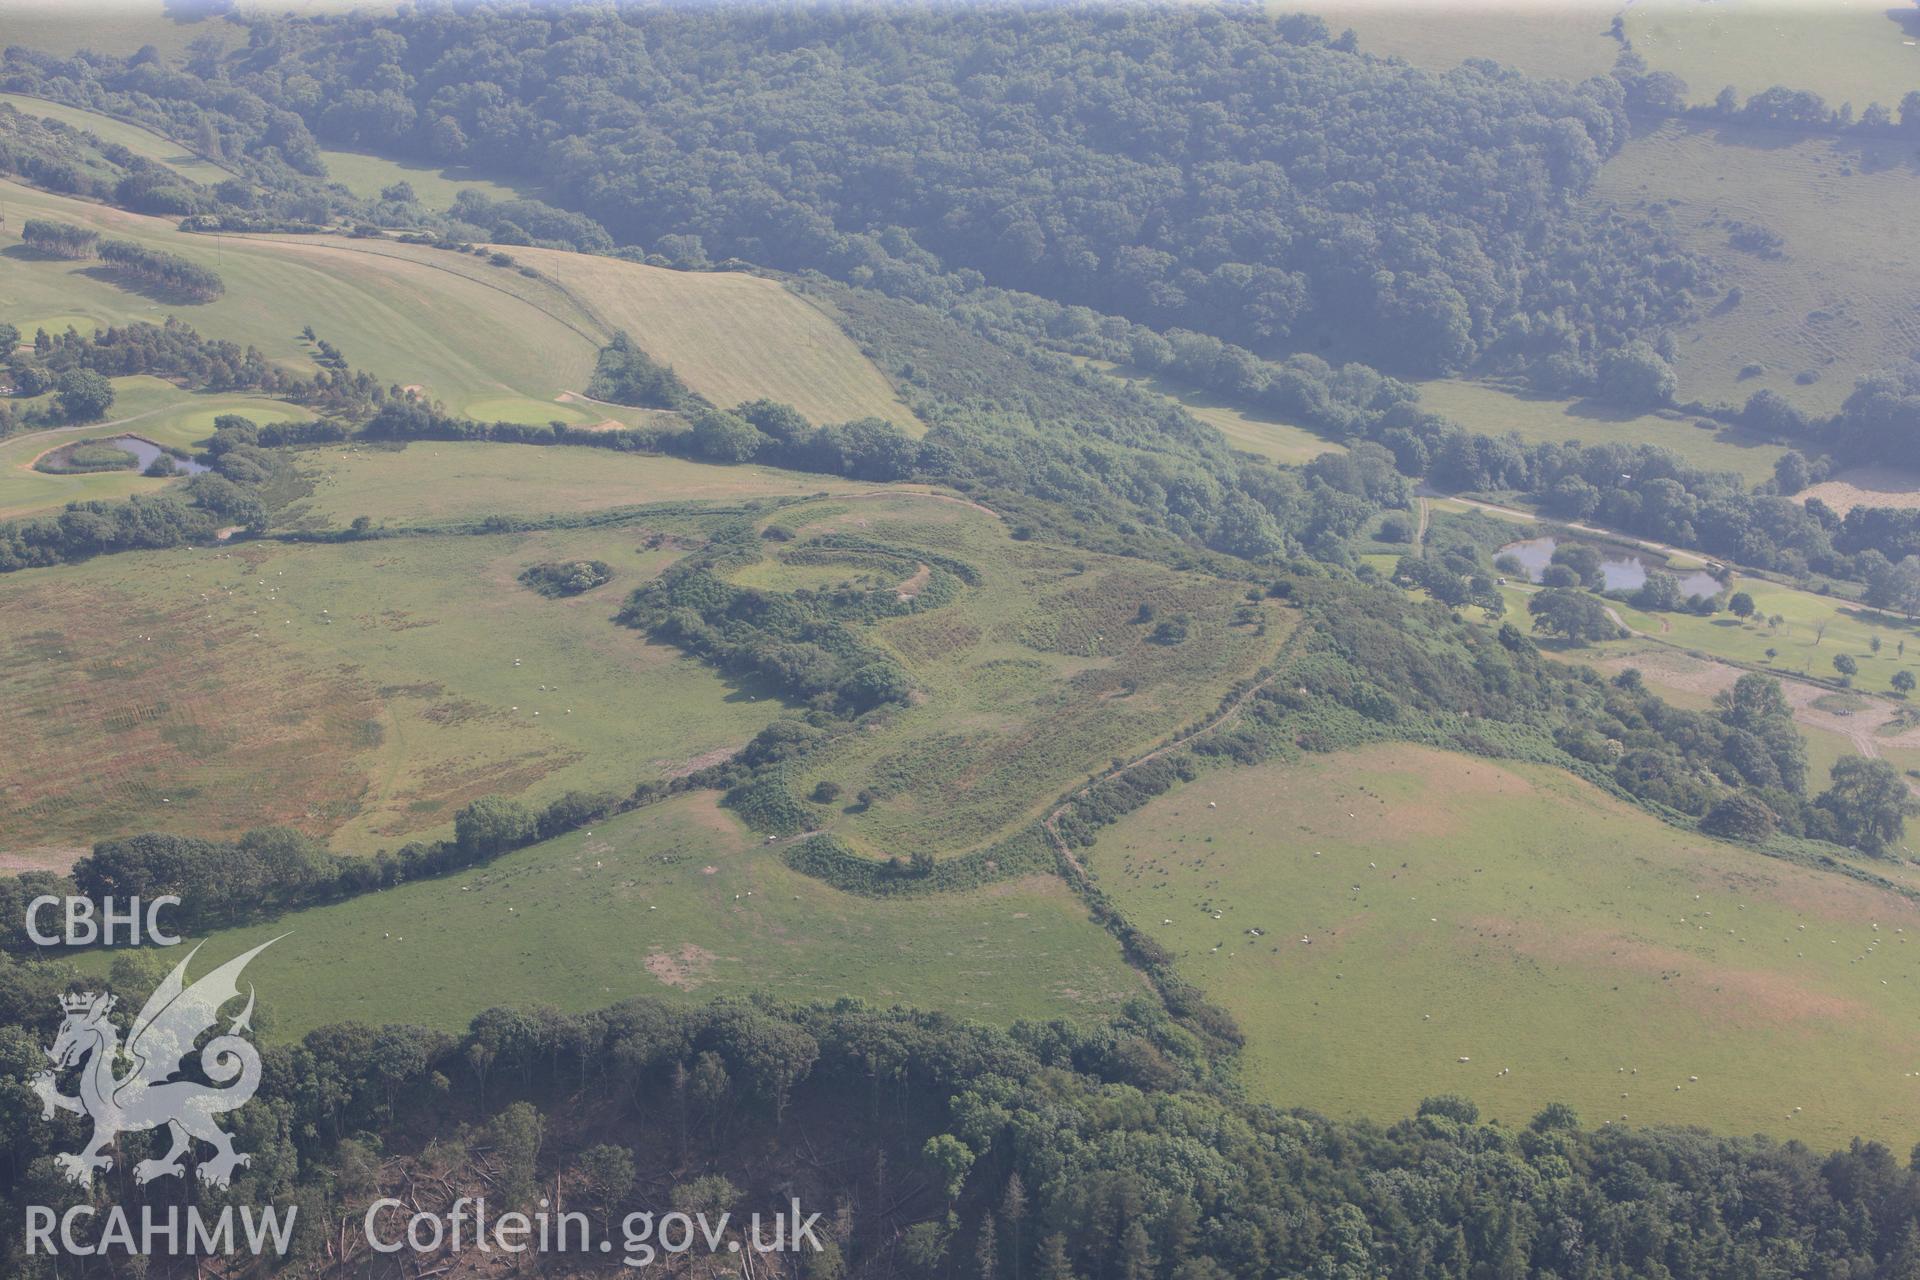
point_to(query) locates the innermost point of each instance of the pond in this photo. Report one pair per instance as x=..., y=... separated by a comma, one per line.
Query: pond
x=1619, y=570
x=144, y=451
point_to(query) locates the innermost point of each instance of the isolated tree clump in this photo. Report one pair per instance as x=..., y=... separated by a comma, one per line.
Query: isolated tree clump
x=567, y=577
x=624, y=374
x=1870, y=804
x=83, y=395
x=1574, y=614
x=1637, y=377
x=1739, y=817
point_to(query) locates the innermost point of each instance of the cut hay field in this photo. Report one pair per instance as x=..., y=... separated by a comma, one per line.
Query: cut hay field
x=143, y=406
x=436, y=482
x=517, y=344
x=731, y=336
x=1492, y=410
x=1840, y=301
x=388, y=314
x=360, y=690
x=1858, y=51
x=1035, y=677
x=1867, y=487
x=1514, y=917
x=135, y=138
x=1246, y=430
x=680, y=902
x=1565, y=41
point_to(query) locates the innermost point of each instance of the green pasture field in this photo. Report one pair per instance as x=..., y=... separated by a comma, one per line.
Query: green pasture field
x=1858, y=51
x=1246, y=430
x=1031, y=680
x=1515, y=917
x=438, y=482
x=117, y=27
x=1491, y=410
x=366, y=175
x=391, y=314
x=1563, y=41
x=363, y=691
x=141, y=141
x=1905, y=759
x=142, y=406
x=680, y=902
x=1690, y=681
x=1824, y=750
x=1845, y=50
x=1836, y=305
x=124, y=27
x=1801, y=646
x=483, y=339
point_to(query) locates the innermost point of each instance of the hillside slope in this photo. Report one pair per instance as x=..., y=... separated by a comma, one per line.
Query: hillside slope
x=1431, y=921
x=731, y=336
x=484, y=338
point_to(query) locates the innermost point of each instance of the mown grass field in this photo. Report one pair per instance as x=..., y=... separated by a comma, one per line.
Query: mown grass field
x=1491, y=410
x=731, y=336
x=680, y=902
x=1845, y=50
x=1813, y=631
x=387, y=313
x=519, y=345
x=142, y=405
x=118, y=27
x=1838, y=303
x=140, y=141
x=1858, y=51
x=363, y=690
x=1270, y=438
x=367, y=175
x=1515, y=917
x=1566, y=41
x=435, y=482
x=124, y=27
x=1031, y=680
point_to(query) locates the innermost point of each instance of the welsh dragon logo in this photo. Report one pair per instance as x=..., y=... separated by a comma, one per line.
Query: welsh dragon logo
x=147, y=1096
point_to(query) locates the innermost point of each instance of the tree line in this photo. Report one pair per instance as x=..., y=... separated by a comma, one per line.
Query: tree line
x=936, y=1148
x=59, y=239
x=155, y=267
x=165, y=271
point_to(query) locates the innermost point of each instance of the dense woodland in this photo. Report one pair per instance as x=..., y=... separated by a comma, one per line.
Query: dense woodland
x=935, y=1148
x=1227, y=171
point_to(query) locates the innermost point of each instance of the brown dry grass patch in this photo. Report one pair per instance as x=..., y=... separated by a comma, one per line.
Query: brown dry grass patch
x=1867, y=487
x=124, y=717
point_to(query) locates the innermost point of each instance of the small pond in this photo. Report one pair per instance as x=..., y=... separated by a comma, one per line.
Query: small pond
x=1619, y=570
x=144, y=451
